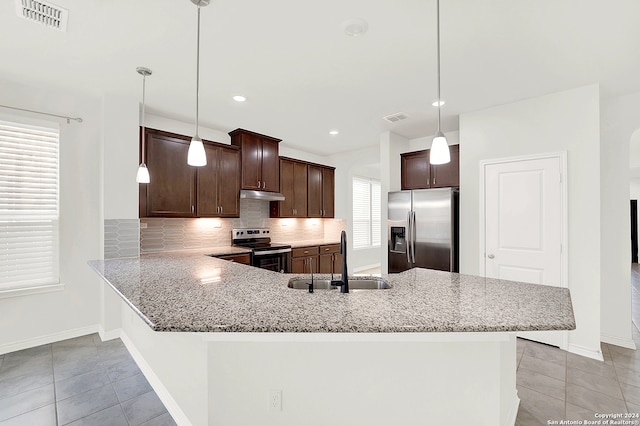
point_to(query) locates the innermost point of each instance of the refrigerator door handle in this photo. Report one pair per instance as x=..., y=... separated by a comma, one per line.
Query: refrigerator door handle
x=408, y=237
x=413, y=236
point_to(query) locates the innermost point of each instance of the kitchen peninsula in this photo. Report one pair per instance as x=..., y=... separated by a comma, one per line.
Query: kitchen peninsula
x=232, y=344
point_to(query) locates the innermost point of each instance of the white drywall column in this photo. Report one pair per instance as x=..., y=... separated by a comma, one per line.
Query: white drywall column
x=120, y=159
x=563, y=121
x=619, y=121
x=391, y=145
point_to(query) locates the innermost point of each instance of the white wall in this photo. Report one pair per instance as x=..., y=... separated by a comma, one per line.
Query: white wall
x=619, y=122
x=453, y=138
x=35, y=319
x=346, y=164
x=563, y=121
x=391, y=146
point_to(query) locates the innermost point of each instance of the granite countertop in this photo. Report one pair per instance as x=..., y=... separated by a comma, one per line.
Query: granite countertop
x=188, y=291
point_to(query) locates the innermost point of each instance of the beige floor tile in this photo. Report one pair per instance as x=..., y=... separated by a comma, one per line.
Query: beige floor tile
x=594, y=382
x=542, y=366
x=628, y=376
x=541, y=383
x=541, y=407
x=578, y=413
x=545, y=352
x=633, y=408
x=631, y=393
x=592, y=400
x=590, y=365
x=525, y=418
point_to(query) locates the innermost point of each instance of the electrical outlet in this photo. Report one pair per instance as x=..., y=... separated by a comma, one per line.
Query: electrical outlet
x=143, y=225
x=275, y=400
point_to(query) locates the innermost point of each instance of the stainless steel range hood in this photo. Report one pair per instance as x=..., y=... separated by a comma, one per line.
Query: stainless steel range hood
x=261, y=195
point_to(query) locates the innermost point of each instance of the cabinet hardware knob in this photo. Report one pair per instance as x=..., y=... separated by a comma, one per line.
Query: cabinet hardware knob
x=193, y=209
x=264, y=185
x=259, y=184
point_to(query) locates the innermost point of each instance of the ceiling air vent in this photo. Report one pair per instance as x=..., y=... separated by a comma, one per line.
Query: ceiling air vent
x=44, y=13
x=394, y=118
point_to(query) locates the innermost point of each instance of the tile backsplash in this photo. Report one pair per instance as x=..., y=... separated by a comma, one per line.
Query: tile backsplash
x=159, y=234
x=121, y=238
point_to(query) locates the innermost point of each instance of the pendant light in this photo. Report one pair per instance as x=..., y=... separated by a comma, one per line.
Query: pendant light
x=439, y=153
x=143, y=172
x=196, y=155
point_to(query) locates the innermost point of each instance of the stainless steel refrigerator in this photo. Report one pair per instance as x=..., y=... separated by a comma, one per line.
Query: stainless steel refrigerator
x=423, y=229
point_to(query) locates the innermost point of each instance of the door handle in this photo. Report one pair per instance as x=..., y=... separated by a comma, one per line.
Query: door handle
x=407, y=239
x=491, y=256
x=413, y=237
x=264, y=185
x=259, y=184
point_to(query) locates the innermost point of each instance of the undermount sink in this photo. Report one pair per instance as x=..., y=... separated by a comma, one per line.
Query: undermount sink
x=354, y=284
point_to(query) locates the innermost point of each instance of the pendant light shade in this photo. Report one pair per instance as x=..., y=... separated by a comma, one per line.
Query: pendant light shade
x=196, y=155
x=143, y=173
x=439, y=153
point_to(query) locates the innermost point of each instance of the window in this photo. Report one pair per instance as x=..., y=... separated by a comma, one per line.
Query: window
x=366, y=213
x=28, y=206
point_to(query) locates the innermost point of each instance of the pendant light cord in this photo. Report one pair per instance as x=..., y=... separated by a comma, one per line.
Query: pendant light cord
x=144, y=81
x=198, y=74
x=438, y=38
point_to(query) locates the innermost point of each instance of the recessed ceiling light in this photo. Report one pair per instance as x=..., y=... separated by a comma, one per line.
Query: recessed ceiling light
x=333, y=132
x=355, y=27
x=239, y=98
x=435, y=103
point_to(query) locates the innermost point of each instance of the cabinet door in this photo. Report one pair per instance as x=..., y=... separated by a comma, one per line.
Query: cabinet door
x=337, y=263
x=447, y=175
x=299, y=265
x=326, y=263
x=245, y=259
x=270, y=173
x=207, y=183
x=327, y=193
x=415, y=170
x=314, y=191
x=251, y=161
x=229, y=182
x=300, y=189
x=172, y=191
x=287, y=184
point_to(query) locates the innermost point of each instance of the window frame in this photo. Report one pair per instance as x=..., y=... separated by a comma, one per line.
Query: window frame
x=371, y=223
x=11, y=217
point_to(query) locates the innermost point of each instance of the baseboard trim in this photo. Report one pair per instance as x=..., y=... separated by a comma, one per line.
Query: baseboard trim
x=109, y=335
x=617, y=341
x=46, y=339
x=582, y=351
x=513, y=412
x=171, y=405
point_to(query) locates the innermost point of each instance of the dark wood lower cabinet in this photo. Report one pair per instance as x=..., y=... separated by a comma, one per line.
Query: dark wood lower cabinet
x=244, y=258
x=330, y=259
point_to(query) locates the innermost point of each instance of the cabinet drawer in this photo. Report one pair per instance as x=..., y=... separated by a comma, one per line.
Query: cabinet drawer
x=305, y=251
x=238, y=258
x=332, y=248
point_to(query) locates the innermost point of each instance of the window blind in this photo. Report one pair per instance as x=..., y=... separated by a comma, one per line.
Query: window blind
x=366, y=213
x=29, y=211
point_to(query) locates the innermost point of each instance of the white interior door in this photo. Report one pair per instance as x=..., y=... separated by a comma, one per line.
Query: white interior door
x=524, y=226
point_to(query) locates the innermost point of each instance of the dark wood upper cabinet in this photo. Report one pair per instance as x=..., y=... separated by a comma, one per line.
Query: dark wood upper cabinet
x=320, y=191
x=172, y=191
x=179, y=190
x=293, y=185
x=447, y=175
x=218, y=183
x=417, y=173
x=260, y=161
x=308, y=189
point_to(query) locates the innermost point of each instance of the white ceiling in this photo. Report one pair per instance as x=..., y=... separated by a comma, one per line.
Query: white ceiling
x=303, y=76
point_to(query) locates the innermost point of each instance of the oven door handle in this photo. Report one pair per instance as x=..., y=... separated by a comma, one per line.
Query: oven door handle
x=268, y=252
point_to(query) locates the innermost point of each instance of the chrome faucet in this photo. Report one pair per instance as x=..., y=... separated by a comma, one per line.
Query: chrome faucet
x=344, y=281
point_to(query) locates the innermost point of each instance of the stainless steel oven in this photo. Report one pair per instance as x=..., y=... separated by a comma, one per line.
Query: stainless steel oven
x=264, y=253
